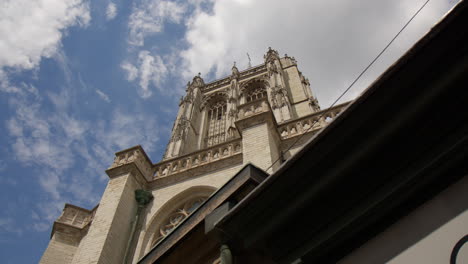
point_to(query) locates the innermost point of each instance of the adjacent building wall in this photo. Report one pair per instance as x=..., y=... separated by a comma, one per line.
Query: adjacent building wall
x=427, y=235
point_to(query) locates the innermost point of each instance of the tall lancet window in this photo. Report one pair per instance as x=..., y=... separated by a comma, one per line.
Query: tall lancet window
x=216, y=123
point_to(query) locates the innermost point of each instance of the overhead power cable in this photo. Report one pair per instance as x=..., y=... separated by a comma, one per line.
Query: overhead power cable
x=351, y=85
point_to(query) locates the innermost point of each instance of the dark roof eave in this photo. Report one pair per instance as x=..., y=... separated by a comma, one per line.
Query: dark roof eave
x=425, y=76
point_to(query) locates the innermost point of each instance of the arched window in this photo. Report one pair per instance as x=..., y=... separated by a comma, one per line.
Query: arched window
x=176, y=217
x=216, y=123
x=255, y=90
x=256, y=94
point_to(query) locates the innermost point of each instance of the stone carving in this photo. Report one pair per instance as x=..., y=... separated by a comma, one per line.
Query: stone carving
x=235, y=72
x=304, y=80
x=272, y=68
x=279, y=97
x=143, y=197
x=271, y=55
x=198, y=81
x=313, y=102
x=181, y=129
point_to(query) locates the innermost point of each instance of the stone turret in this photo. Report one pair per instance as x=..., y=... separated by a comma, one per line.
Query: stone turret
x=185, y=130
x=233, y=102
x=279, y=96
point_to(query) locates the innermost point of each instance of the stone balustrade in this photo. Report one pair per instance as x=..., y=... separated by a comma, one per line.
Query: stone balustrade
x=309, y=123
x=197, y=159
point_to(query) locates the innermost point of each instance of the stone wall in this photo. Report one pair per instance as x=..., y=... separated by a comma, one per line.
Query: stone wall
x=61, y=249
x=108, y=235
x=427, y=235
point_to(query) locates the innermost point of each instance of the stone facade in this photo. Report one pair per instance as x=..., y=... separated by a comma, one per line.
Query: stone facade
x=261, y=115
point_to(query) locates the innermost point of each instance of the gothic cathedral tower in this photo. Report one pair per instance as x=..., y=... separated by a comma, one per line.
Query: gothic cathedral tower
x=252, y=116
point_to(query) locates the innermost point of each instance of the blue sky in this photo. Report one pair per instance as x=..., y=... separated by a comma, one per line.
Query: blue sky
x=80, y=80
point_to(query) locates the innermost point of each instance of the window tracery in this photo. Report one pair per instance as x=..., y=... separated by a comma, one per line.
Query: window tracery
x=256, y=93
x=254, y=90
x=176, y=217
x=216, y=123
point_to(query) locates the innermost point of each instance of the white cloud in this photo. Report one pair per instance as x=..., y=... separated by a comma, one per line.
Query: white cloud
x=40, y=226
x=33, y=29
x=7, y=224
x=126, y=130
x=35, y=143
x=148, y=18
x=111, y=11
x=103, y=96
x=150, y=71
x=130, y=70
x=332, y=41
x=68, y=156
x=46, y=140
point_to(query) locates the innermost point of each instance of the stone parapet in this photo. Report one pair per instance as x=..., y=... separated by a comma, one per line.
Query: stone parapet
x=197, y=159
x=309, y=123
x=243, y=75
x=74, y=221
x=76, y=216
x=134, y=155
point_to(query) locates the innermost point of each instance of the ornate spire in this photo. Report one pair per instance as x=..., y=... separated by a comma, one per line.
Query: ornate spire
x=271, y=55
x=235, y=72
x=197, y=81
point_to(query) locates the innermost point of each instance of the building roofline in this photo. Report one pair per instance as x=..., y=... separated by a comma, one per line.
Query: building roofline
x=354, y=152
x=391, y=71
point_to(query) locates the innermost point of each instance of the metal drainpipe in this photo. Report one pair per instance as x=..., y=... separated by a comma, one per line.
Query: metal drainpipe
x=143, y=198
x=225, y=255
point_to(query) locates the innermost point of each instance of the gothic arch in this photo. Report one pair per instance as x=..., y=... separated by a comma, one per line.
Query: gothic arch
x=169, y=208
x=212, y=98
x=254, y=89
x=262, y=79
